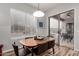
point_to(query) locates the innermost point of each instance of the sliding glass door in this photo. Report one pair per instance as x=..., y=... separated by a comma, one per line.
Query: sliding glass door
x=54, y=28
x=61, y=27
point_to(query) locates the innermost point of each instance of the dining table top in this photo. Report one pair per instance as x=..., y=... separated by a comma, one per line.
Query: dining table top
x=31, y=42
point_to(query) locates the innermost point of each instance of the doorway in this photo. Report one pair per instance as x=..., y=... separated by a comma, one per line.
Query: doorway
x=61, y=27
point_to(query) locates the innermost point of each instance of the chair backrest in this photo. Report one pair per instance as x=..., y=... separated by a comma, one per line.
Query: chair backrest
x=15, y=49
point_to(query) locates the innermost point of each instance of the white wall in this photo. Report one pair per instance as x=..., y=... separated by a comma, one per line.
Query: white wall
x=65, y=7
x=42, y=31
x=5, y=22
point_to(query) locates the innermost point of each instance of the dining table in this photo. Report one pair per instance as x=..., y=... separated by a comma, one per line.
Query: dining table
x=31, y=42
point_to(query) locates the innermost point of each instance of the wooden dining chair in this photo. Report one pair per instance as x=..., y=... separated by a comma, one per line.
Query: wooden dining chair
x=21, y=52
x=15, y=49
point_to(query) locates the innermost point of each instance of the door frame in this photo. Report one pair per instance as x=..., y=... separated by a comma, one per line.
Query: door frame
x=59, y=25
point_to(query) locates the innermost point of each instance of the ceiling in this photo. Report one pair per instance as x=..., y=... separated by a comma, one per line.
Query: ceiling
x=43, y=6
x=66, y=16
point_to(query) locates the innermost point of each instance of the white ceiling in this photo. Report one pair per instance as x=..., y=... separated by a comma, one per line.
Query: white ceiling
x=67, y=16
x=43, y=6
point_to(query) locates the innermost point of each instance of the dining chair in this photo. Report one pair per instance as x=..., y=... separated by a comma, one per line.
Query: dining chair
x=1, y=46
x=21, y=52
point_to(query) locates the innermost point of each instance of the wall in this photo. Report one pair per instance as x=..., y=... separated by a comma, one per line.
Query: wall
x=42, y=31
x=5, y=22
x=65, y=7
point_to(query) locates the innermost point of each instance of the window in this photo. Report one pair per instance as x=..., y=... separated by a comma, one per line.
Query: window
x=22, y=23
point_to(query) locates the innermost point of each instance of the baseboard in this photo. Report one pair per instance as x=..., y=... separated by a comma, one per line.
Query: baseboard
x=6, y=51
x=10, y=50
x=76, y=49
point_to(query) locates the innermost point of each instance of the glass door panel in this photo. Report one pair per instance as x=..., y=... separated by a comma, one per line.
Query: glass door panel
x=62, y=28
x=54, y=29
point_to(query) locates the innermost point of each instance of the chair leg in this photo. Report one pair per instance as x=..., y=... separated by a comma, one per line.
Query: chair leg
x=32, y=51
x=23, y=46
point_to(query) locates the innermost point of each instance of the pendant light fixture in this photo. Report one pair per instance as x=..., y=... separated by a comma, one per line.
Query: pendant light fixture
x=38, y=13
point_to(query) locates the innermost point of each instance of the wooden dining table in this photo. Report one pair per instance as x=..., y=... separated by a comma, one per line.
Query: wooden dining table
x=31, y=42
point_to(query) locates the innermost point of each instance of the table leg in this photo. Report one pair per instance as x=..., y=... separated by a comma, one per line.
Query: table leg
x=53, y=50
